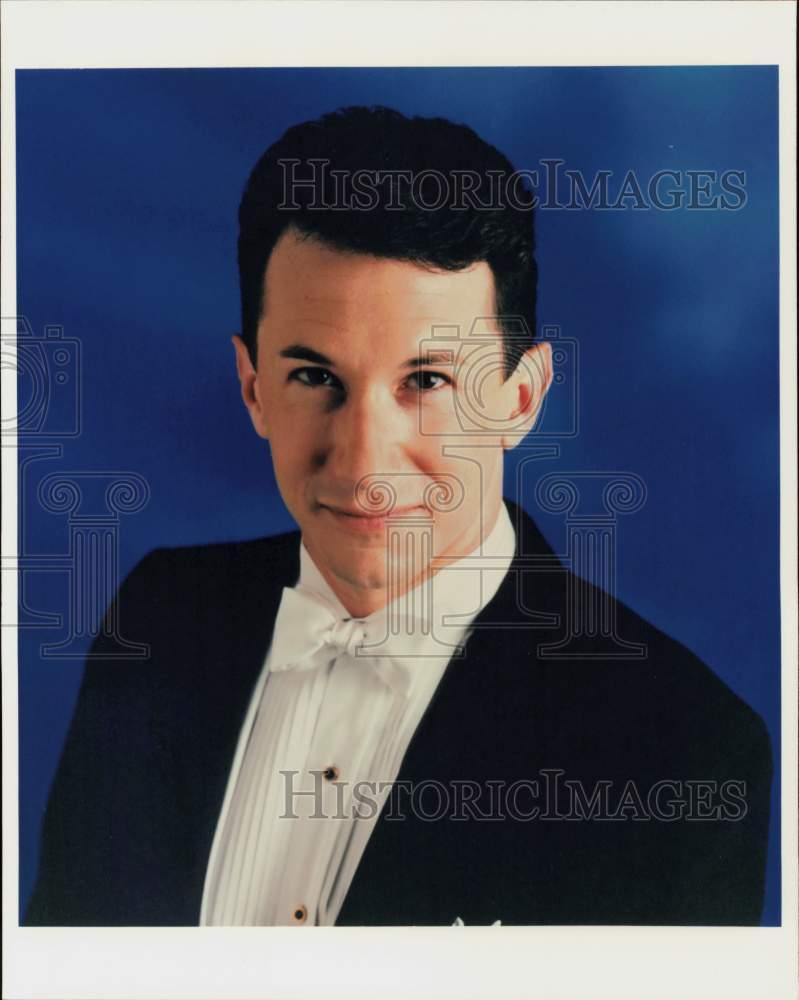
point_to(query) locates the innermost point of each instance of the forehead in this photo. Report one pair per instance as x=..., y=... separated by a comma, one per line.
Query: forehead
x=311, y=282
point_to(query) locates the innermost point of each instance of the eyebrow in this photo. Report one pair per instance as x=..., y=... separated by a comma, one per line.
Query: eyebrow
x=302, y=353
x=429, y=358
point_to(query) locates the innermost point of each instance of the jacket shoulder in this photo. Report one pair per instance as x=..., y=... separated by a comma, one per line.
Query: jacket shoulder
x=672, y=697
x=175, y=593
x=614, y=680
x=188, y=557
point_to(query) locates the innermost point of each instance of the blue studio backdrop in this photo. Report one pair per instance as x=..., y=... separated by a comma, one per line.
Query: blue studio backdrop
x=128, y=188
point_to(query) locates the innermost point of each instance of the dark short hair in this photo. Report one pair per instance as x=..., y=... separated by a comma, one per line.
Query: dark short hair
x=396, y=219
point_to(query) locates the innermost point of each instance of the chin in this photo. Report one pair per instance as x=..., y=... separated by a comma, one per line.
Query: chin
x=370, y=570
x=369, y=574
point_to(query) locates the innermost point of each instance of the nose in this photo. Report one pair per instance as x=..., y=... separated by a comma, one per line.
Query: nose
x=365, y=437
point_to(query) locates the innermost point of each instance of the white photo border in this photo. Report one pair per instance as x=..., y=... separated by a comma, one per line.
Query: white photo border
x=503, y=962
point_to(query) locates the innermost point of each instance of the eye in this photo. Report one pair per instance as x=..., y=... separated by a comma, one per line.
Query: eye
x=315, y=377
x=429, y=381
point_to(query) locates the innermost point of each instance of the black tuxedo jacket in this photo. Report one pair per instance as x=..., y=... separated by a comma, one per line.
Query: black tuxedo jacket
x=139, y=788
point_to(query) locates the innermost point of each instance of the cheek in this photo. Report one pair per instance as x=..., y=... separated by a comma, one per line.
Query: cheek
x=438, y=413
x=292, y=445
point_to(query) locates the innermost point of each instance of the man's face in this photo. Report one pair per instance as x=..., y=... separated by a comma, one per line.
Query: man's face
x=348, y=400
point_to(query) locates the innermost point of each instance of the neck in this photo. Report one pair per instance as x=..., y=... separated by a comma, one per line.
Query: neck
x=361, y=600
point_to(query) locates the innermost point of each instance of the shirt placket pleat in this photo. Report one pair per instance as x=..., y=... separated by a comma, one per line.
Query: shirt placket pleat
x=344, y=739
x=282, y=832
x=242, y=855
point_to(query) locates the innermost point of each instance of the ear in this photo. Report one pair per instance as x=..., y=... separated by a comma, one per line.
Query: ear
x=529, y=385
x=250, y=390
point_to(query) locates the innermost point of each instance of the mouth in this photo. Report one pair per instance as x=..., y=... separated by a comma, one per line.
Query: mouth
x=360, y=521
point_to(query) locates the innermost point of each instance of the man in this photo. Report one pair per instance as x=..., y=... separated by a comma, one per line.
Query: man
x=363, y=722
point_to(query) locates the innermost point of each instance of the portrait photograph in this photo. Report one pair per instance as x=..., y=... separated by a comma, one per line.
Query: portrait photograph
x=403, y=475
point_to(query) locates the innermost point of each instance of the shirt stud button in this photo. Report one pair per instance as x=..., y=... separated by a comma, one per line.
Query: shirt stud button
x=300, y=914
x=330, y=773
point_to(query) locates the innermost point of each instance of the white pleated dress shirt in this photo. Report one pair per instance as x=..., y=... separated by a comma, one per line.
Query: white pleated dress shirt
x=351, y=717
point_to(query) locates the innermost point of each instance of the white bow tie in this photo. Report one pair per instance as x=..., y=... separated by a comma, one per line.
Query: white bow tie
x=308, y=634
